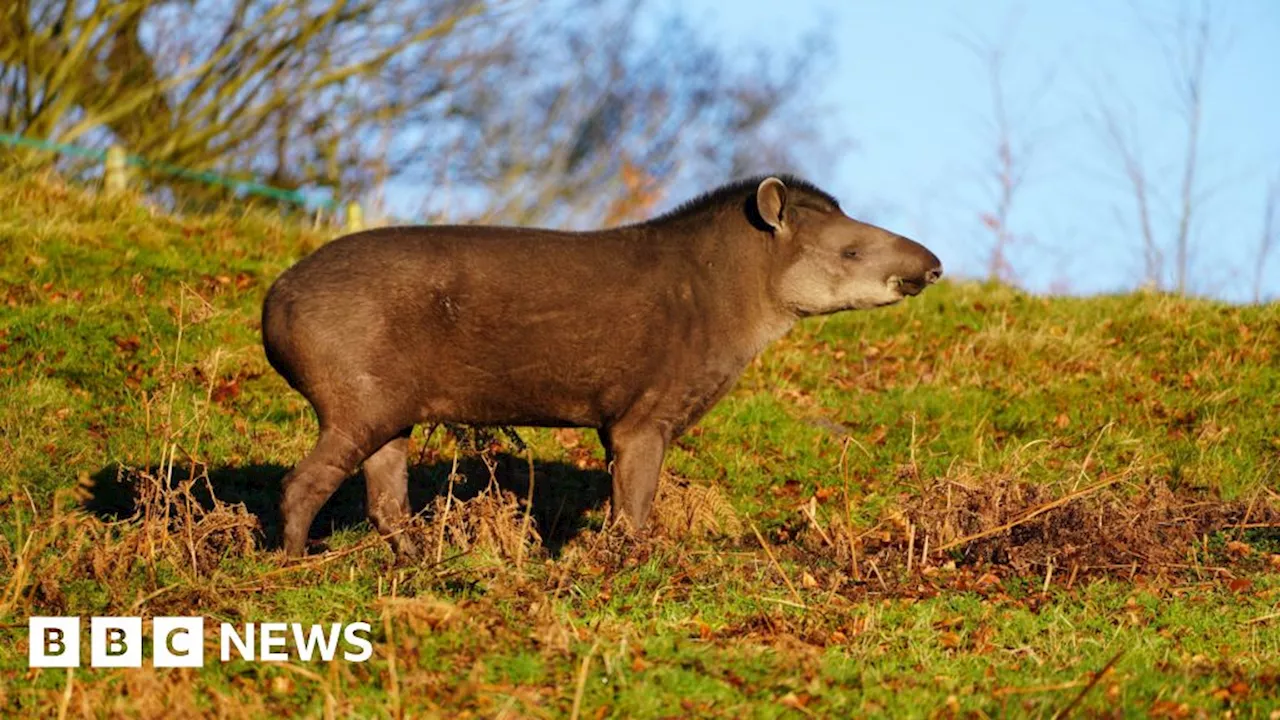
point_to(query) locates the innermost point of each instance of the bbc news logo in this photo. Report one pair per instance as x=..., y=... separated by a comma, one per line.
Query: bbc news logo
x=179, y=642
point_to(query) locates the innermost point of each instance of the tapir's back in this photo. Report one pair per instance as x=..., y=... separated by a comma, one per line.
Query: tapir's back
x=475, y=324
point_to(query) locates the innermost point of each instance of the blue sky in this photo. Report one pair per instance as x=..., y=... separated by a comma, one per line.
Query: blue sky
x=914, y=104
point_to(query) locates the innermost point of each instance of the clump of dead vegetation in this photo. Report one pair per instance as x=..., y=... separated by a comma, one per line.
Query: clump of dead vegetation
x=1107, y=525
x=178, y=525
x=683, y=509
x=495, y=522
x=525, y=509
x=500, y=523
x=1116, y=524
x=185, y=519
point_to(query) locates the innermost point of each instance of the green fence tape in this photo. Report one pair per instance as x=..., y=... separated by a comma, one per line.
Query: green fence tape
x=20, y=141
x=248, y=187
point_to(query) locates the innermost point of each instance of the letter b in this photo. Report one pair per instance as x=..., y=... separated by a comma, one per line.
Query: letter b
x=53, y=642
x=115, y=642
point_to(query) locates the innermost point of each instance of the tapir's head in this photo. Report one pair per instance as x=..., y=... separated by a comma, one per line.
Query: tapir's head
x=827, y=262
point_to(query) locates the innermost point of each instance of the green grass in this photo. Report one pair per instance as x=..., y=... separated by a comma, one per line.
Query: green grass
x=129, y=339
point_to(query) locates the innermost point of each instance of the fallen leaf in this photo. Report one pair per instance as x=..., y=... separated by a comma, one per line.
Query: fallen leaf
x=1239, y=585
x=1168, y=709
x=226, y=390
x=878, y=435
x=794, y=701
x=1238, y=548
x=129, y=344
x=987, y=580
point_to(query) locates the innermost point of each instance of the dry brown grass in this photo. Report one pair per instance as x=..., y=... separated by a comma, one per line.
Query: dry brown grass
x=174, y=521
x=1116, y=525
x=172, y=527
x=683, y=510
x=492, y=522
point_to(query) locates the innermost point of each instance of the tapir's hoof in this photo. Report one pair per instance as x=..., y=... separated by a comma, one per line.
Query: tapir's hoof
x=622, y=525
x=407, y=551
x=294, y=551
x=621, y=536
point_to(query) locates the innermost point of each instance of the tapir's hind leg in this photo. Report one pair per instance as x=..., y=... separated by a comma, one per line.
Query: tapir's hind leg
x=386, y=474
x=336, y=456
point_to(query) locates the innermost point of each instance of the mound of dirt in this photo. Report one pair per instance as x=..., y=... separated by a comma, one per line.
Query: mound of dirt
x=1003, y=521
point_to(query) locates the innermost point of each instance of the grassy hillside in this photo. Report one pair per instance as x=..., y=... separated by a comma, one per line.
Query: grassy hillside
x=969, y=503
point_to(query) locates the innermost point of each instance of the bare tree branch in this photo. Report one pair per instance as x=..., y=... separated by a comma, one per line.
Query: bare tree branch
x=1189, y=45
x=1014, y=146
x=546, y=116
x=1196, y=46
x=1268, y=239
x=1126, y=147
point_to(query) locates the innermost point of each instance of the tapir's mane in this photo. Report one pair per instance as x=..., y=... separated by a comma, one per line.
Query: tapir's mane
x=737, y=191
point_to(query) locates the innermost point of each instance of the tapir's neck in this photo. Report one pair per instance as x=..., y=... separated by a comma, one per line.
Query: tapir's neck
x=738, y=260
x=766, y=332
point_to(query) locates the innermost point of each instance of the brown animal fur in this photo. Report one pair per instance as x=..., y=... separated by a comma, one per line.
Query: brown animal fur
x=635, y=331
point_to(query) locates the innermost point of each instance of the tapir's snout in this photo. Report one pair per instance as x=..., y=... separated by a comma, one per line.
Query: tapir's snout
x=924, y=268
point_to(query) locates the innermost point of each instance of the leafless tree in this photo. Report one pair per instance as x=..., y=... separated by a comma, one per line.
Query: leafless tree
x=1009, y=170
x=598, y=122
x=1189, y=44
x=1268, y=240
x=1196, y=39
x=1013, y=138
x=274, y=89
x=534, y=110
x=1126, y=146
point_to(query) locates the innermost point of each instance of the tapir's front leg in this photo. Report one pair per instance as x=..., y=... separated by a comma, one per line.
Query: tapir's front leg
x=636, y=454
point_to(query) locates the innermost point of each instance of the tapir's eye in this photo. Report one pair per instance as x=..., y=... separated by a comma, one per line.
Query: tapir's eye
x=849, y=254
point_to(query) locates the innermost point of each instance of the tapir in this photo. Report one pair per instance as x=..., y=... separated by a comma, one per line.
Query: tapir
x=635, y=331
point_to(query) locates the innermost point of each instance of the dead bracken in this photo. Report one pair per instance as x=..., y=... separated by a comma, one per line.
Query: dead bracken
x=1109, y=526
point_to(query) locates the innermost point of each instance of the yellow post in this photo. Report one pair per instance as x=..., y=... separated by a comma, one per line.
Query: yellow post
x=355, y=217
x=114, y=177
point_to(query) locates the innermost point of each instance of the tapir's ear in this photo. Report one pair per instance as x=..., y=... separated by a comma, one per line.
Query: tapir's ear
x=771, y=201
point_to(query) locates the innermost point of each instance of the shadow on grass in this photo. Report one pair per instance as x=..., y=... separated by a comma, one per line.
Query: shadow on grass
x=563, y=494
